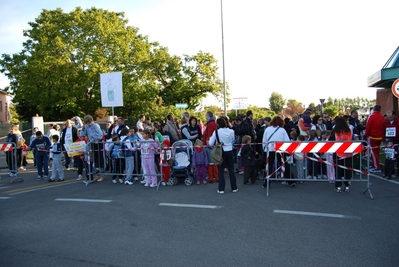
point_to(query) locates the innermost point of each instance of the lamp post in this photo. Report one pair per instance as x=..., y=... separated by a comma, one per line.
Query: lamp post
x=224, y=78
x=322, y=102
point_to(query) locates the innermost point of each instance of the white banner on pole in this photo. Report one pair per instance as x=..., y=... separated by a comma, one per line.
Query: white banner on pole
x=111, y=89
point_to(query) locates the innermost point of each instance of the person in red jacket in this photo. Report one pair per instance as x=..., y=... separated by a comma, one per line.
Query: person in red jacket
x=210, y=128
x=391, y=129
x=375, y=134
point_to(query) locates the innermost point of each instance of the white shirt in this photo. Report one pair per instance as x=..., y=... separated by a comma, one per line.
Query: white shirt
x=272, y=134
x=226, y=136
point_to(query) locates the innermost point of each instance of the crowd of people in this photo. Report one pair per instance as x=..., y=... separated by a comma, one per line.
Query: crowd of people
x=144, y=149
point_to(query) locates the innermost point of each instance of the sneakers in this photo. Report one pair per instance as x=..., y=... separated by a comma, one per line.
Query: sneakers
x=51, y=180
x=120, y=181
x=79, y=177
x=61, y=180
x=114, y=181
x=204, y=182
x=347, y=189
x=11, y=174
x=146, y=185
x=153, y=185
x=45, y=177
x=235, y=191
x=338, y=189
x=163, y=183
x=22, y=168
x=374, y=170
x=220, y=192
x=198, y=182
x=241, y=173
x=39, y=177
x=127, y=182
x=142, y=182
x=100, y=179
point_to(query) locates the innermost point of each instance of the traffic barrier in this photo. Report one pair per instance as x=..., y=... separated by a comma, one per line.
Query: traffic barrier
x=104, y=159
x=8, y=161
x=342, y=159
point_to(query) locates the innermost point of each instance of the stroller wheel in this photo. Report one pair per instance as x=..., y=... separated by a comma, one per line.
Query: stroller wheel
x=172, y=181
x=189, y=181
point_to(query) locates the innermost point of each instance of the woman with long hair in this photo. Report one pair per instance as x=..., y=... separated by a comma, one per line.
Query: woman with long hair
x=342, y=132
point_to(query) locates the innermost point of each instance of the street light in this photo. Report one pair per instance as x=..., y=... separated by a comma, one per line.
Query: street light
x=224, y=78
x=322, y=102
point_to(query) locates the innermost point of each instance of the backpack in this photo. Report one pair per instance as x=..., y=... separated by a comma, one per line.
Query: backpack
x=217, y=152
x=117, y=152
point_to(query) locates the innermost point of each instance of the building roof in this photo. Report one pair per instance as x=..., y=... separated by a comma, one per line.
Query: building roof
x=388, y=74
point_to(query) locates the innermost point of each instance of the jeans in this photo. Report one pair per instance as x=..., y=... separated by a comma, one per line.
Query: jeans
x=42, y=163
x=129, y=162
x=67, y=160
x=228, y=162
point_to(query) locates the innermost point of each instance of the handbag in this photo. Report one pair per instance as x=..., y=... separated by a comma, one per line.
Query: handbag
x=217, y=152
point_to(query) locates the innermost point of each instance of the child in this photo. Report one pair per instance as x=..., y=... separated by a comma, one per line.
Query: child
x=148, y=147
x=118, y=160
x=307, y=121
x=81, y=158
x=166, y=156
x=200, y=161
x=391, y=153
x=248, y=155
x=56, y=164
x=299, y=159
x=329, y=158
x=128, y=155
x=134, y=139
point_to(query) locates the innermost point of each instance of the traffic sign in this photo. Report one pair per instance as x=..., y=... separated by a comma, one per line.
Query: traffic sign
x=395, y=88
x=180, y=105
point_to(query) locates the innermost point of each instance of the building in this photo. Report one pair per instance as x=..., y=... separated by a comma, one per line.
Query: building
x=382, y=80
x=4, y=107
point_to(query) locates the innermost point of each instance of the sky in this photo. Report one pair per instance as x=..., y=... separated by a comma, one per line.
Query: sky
x=305, y=50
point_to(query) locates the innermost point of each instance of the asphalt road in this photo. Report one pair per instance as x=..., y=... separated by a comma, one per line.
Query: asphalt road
x=53, y=224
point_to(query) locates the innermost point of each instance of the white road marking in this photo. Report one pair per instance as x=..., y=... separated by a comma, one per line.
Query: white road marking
x=4, y=197
x=84, y=200
x=4, y=187
x=318, y=214
x=190, y=206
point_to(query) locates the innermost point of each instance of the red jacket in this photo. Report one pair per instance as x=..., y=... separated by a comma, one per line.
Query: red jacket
x=375, y=126
x=393, y=129
x=210, y=128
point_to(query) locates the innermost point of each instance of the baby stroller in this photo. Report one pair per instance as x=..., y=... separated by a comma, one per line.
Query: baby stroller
x=182, y=152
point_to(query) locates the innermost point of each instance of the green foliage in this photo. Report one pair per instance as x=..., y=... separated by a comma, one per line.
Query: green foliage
x=276, y=102
x=331, y=110
x=57, y=74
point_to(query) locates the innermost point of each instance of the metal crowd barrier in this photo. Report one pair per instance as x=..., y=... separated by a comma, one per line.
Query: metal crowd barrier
x=8, y=161
x=327, y=161
x=99, y=162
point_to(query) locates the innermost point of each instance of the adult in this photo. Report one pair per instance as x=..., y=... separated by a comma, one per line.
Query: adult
x=355, y=122
x=108, y=129
x=172, y=128
x=42, y=145
x=375, y=135
x=77, y=122
x=194, y=128
x=68, y=135
x=275, y=133
x=211, y=126
x=391, y=129
x=247, y=125
x=120, y=126
x=225, y=136
x=94, y=133
x=139, y=123
x=185, y=132
x=327, y=121
x=11, y=154
x=342, y=132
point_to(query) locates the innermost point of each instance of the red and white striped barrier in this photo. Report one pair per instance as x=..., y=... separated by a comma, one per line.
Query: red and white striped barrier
x=319, y=147
x=5, y=147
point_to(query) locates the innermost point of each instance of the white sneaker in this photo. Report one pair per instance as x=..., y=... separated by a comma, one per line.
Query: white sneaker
x=22, y=168
x=128, y=183
x=120, y=181
x=142, y=182
x=153, y=185
x=220, y=192
x=114, y=181
x=235, y=191
x=79, y=177
x=241, y=172
x=163, y=183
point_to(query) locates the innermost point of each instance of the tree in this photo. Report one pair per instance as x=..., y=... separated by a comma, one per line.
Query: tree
x=293, y=106
x=276, y=102
x=57, y=74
